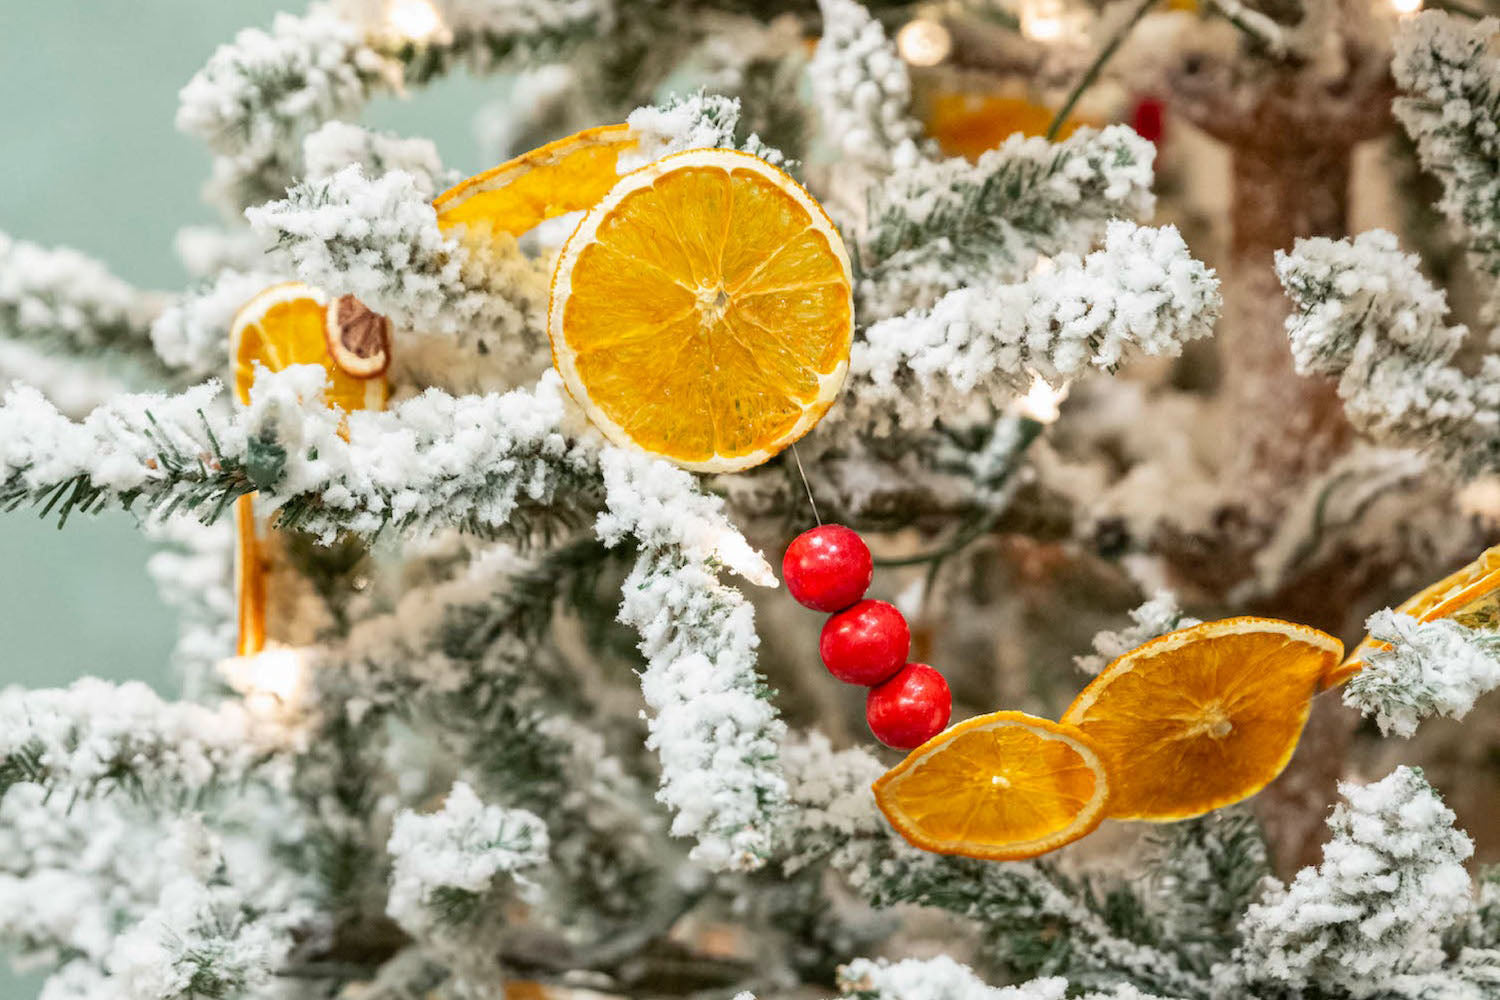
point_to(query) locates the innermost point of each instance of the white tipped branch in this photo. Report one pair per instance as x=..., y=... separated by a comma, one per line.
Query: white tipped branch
x=1447, y=68
x=937, y=225
x=1364, y=314
x=712, y=722
x=1391, y=883
x=979, y=346
x=1437, y=668
x=64, y=302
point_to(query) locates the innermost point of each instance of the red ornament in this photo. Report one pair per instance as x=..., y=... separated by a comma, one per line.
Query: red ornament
x=910, y=708
x=827, y=568
x=865, y=644
x=1148, y=118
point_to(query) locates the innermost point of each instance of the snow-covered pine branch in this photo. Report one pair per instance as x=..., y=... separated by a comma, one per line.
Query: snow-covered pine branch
x=862, y=91
x=488, y=465
x=712, y=722
x=485, y=36
x=942, y=978
x=1391, y=883
x=191, y=335
x=95, y=737
x=1156, y=617
x=1364, y=314
x=833, y=821
x=1433, y=668
x=937, y=225
x=258, y=96
x=465, y=661
x=337, y=145
x=1448, y=69
x=193, y=570
x=982, y=345
x=377, y=238
x=456, y=866
x=66, y=302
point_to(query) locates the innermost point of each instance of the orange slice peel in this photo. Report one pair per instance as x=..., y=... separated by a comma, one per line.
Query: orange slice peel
x=1470, y=595
x=703, y=311
x=998, y=787
x=1204, y=716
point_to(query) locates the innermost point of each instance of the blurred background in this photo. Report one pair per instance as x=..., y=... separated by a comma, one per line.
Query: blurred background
x=89, y=159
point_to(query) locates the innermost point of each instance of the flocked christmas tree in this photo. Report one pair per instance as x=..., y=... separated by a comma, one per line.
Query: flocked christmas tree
x=485, y=697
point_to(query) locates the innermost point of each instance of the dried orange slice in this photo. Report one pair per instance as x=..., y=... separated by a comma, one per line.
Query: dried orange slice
x=1000, y=787
x=568, y=175
x=1470, y=596
x=285, y=325
x=703, y=310
x=1204, y=716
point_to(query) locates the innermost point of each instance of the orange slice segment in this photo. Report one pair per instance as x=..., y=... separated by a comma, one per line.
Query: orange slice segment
x=703, y=311
x=1204, y=716
x=282, y=326
x=999, y=787
x=1470, y=596
x=568, y=175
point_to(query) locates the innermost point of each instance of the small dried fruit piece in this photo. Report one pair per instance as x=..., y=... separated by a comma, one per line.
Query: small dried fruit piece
x=999, y=787
x=1470, y=596
x=1202, y=717
x=359, y=338
x=284, y=325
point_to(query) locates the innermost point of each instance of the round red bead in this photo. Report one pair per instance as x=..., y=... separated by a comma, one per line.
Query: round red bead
x=910, y=708
x=866, y=643
x=827, y=568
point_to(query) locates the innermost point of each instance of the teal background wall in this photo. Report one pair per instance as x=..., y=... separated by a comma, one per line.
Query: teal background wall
x=89, y=158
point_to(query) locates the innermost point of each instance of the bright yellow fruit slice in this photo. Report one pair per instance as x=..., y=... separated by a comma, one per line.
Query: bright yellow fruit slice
x=703, y=311
x=1204, y=716
x=568, y=175
x=1000, y=787
x=1470, y=596
x=282, y=326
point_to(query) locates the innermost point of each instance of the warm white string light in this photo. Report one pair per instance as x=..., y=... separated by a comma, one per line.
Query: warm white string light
x=1041, y=403
x=924, y=42
x=413, y=20
x=272, y=681
x=1044, y=20
x=1404, y=8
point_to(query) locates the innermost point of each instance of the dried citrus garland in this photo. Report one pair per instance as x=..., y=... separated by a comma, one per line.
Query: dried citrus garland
x=295, y=324
x=702, y=310
x=1192, y=721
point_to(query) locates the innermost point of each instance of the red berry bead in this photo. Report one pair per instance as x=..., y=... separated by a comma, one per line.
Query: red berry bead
x=910, y=708
x=865, y=644
x=1148, y=118
x=827, y=568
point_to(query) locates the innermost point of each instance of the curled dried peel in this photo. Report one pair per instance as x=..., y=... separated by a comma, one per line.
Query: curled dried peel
x=703, y=311
x=1202, y=717
x=998, y=787
x=568, y=175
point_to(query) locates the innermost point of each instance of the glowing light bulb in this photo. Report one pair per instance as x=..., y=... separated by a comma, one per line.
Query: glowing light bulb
x=1043, y=20
x=1403, y=8
x=271, y=679
x=413, y=20
x=924, y=42
x=1041, y=403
